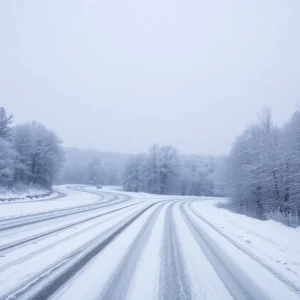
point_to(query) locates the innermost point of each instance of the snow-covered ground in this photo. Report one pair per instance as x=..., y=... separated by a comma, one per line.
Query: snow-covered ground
x=271, y=243
x=109, y=244
x=25, y=194
x=63, y=197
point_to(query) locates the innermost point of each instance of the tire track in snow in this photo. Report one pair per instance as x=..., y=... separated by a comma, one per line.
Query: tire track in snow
x=13, y=223
x=46, y=234
x=102, y=194
x=55, y=278
x=279, y=276
x=22, y=220
x=233, y=277
x=174, y=281
x=29, y=255
x=118, y=285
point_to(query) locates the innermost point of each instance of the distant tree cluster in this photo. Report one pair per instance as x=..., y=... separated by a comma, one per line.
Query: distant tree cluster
x=91, y=167
x=29, y=153
x=164, y=171
x=262, y=172
x=90, y=172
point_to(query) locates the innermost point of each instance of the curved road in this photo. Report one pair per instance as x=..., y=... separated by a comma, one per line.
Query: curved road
x=129, y=246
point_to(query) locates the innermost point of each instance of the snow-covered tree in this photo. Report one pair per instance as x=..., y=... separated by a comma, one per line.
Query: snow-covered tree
x=23, y=143
x=5, y=124
x=30, y=154
x=46, y=157
x=95, y=173
x=152, y=171
x=134, y=173
x=264, y=167
x=162, y=172
x=220, y=177
x=169, y=170
x=290, y=167
x=7, y=156
x=197, y=175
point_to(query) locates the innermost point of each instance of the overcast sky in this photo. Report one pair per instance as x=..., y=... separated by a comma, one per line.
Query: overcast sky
x=121, y=74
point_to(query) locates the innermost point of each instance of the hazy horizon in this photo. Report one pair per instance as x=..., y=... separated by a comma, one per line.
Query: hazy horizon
x=121, y=75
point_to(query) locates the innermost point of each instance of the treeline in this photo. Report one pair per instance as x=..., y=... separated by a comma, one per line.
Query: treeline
x=163, y=171
x=29, y=154
x=92, y=167
x=262, y=172
x=261, y=175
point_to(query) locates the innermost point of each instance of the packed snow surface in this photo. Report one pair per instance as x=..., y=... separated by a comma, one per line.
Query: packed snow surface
x=89, y=243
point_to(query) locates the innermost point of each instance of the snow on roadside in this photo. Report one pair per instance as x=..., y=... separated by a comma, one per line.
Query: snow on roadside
x=30, y=193
x=72, y=198
x=275, y=244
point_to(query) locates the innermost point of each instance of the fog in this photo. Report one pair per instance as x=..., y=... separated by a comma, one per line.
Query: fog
x=120, y=75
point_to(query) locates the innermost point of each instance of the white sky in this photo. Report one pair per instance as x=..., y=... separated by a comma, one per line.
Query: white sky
x=121, y=74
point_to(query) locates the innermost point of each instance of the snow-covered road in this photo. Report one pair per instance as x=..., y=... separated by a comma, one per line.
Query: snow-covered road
x=110, y=244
